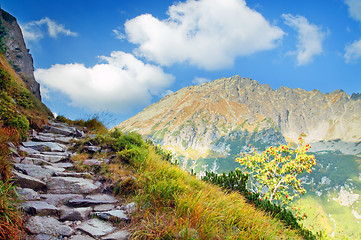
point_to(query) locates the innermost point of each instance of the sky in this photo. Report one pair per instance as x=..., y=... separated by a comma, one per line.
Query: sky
x=113, y=58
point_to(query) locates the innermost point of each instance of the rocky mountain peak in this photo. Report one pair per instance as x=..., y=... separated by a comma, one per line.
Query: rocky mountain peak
x=195, y=119
x=16, y=51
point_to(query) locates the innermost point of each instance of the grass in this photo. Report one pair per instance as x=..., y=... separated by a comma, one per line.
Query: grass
x=19, y=110
x=172, y=203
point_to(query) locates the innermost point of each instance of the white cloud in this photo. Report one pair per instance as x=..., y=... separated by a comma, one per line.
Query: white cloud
x=353, y=51
x=118, y=34
x=200, y=80
x=34, y=31
x=117, y=85
x=209, y=34
x=310, y=38
x=354, y=9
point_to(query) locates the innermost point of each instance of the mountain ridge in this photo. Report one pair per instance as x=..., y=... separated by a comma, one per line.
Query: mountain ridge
x=196, y=117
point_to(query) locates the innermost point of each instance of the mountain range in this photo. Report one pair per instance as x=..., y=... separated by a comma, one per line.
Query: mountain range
x=208, y=126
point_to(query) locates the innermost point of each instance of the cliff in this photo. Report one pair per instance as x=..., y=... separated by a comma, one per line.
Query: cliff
x=16, y=52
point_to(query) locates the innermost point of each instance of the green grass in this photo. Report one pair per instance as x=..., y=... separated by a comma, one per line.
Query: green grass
x=172, y=202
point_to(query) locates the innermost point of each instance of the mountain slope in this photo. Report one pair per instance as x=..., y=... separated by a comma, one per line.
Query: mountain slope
x=195, y=118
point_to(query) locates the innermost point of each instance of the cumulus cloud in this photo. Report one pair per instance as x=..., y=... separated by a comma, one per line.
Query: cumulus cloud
x=34, y=31
x=353, y=51
x=209, y=34
x=354, y=8
x=200, y=80
x=116, y=85
x=310, y=38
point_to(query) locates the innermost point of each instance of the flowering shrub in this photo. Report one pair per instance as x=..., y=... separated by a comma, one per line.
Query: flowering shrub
x=274, y=172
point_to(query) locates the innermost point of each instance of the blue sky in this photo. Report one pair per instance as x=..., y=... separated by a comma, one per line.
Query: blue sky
x=119, y=56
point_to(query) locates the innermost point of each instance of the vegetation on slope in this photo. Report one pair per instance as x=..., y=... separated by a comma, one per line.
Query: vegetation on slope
x=19, y=110
x=172, y=203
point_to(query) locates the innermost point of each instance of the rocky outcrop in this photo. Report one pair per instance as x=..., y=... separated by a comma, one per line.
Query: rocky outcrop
x=199, y=120
x=60, y=202
x=16, y=52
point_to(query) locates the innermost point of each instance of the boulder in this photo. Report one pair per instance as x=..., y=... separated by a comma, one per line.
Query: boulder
x=129, y=208
x=26, y=181
x=72, y=185
x=96, y=228
x=47, y=225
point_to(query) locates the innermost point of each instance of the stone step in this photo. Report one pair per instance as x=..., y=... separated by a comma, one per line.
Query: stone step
x=44, y=146
x=74, y=214
x=39, y=208
x=34, y=171
x=117, y=235
x=27, y=194
x=48, y=158
x=26, y=181
x=96, y=227
x=72, y=174
x=59, y=199
x=48, y=225
x=72, y=185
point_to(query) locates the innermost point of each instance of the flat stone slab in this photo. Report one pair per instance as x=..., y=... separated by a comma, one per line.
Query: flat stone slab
x=48, y=225
x=54, y=170
x=65, y=165
x=33, y=170
x=48, y=158
x=35, y=161
x=27, y=194
x=28, y=150
x=26, y=181
x=114, y=215
x=44, y=146
x=81, y=237
x=72, y=174
x=71, y=185
x=89, y=202
x=104, y=207
x=118, y=235
x=39, y=208
x=74, y=214
x=59, y=199
x=102, y=197
x=96, y=228
x=45, y=237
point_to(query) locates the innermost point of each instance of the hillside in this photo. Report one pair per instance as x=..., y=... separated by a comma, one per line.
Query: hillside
x=210, y=125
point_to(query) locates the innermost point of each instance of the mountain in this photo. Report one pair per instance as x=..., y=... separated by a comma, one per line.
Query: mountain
x=197, y=121
x=208, y=126
x=16, y=52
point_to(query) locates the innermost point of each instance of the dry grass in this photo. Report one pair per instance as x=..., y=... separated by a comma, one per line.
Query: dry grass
x=173, y=204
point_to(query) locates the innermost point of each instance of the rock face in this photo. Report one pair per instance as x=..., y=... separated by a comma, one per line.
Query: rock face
x=17, y=53
x=199, y=121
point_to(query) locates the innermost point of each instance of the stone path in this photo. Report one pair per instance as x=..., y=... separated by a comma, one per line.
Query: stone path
x=60, y=203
